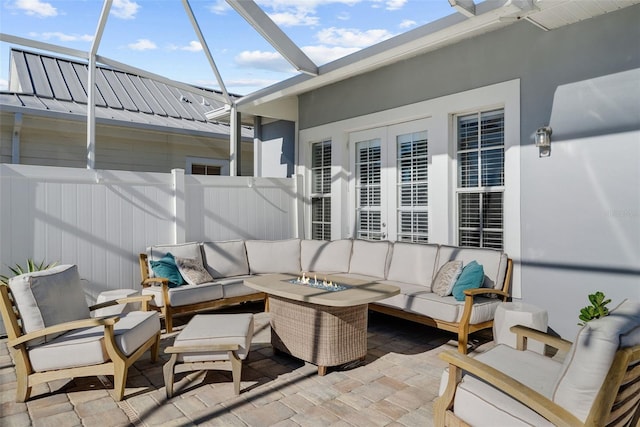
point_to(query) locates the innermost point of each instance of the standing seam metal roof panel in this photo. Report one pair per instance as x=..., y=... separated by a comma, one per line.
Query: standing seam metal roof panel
x=108, y=94
x=166, y=105
x=39, y=77
x=32, y=101
x=148, y=97
x=119, y=90
x=174, y=99
x=82, y=71
x=133, y=92
x=22, y=74
x=64, y=106
x=56, y=81
x=73, y=82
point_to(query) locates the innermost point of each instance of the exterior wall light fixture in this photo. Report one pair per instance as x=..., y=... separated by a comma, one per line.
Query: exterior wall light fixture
x=543, y=140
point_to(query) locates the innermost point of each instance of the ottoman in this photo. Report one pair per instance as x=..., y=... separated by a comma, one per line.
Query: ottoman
x=206, y=340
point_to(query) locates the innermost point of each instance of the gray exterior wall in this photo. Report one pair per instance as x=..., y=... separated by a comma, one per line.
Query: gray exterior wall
x=278, y=149
x=580, y=207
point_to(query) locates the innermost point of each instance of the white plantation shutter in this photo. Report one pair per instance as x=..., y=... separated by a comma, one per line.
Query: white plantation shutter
x=368, y=190
x=480, y=155
x=412, y=187
x=321, y=190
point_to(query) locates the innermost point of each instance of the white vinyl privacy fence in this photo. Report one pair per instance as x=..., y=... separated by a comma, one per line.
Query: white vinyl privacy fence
x=101, y=220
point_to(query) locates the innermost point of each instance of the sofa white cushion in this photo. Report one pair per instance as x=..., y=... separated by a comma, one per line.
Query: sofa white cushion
x=216, y=329
x=83, y=347
x=326, y=257
x=369, y=258
x=185, y=294
x=182, y=250
x=588, y=361
x=225, y=259
x=49, y=297
x=494, y=262
x=277, y=256
x=235, y=287
x=413, y=263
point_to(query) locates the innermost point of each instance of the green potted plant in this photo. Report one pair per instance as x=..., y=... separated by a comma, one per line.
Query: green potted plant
x=30, y=267
x=596, y=310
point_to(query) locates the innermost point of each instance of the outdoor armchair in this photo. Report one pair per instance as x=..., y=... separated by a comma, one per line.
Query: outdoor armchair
x=52, y=335
x=597, y=383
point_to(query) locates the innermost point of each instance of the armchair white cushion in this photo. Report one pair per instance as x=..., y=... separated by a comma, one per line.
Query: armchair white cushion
x=507, y=386
x=56, y=337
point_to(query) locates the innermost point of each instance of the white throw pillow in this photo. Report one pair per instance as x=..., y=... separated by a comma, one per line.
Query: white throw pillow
x=193, y=271
x=445, y=279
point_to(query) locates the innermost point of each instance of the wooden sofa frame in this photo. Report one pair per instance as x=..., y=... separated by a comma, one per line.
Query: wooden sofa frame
x=167, y=311
x=463, y=328
x=616, y=404
x=118, y=365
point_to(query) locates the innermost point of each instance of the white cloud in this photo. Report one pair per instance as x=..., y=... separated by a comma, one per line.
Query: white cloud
x=288, y=19
x=193, y=46
x=220, y=7
x=4, y=84
x=36, y=7
x=325, y=54
x=142, y=44
x=343, y=16
x=408, y=23
x=264, y=60
x=351, y=37
x=124, y=9
x=63, y=37
x=395, y=4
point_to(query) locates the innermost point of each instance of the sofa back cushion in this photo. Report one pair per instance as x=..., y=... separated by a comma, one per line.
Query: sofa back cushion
x=588, y=361
x=182, y=250
x=323, y=256
x=49, y=297
x=369, y=258
x=225, y=259
x=413, y=263
x=273, y=256
x=493, y=262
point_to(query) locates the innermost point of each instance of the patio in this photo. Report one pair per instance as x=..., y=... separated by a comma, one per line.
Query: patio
x=396, y=385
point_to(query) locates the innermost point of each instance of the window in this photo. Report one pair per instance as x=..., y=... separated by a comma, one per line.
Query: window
x=480, y=189
x=321, y=190
x=413, y=190
x=205, y=170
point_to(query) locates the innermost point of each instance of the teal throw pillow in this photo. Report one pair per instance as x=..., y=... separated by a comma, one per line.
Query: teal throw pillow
x=166, y=267
x=472, y=277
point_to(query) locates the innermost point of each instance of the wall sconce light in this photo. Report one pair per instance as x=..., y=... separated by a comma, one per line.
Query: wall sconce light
x=543, y=137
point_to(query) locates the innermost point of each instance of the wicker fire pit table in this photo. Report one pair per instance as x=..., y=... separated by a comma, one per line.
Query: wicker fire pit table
x=321, y=323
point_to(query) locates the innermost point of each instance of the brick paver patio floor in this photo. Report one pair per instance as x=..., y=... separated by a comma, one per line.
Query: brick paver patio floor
x=395, y=386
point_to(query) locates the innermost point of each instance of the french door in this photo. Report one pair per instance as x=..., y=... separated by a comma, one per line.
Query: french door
x=390, y=170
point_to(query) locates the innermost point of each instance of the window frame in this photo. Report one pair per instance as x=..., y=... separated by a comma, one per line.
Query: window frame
x=325, y=195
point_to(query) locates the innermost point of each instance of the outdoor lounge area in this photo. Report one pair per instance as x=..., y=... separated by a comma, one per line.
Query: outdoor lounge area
x=441, y=227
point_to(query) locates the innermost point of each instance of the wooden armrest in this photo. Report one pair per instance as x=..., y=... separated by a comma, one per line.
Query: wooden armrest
x=136, y=298
x=528, y=397
x=524, y=332
x=64, y=327
x=202, y=348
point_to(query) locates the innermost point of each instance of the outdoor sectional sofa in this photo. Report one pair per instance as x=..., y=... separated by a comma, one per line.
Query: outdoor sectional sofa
x=414, y=268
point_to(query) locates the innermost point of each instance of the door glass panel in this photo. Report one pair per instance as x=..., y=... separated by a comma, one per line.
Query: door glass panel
x=368, y=190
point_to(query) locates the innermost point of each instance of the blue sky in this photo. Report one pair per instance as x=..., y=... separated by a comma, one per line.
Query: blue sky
x=156, y=35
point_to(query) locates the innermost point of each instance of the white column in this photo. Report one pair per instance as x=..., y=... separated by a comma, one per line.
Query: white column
x=179, y=206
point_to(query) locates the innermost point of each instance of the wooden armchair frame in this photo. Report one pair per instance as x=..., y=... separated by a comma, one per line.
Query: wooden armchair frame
x=168, y=311
x=117, y=366
x=617, y=402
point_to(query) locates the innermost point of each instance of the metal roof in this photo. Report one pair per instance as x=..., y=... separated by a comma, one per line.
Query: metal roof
x=56, y=87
